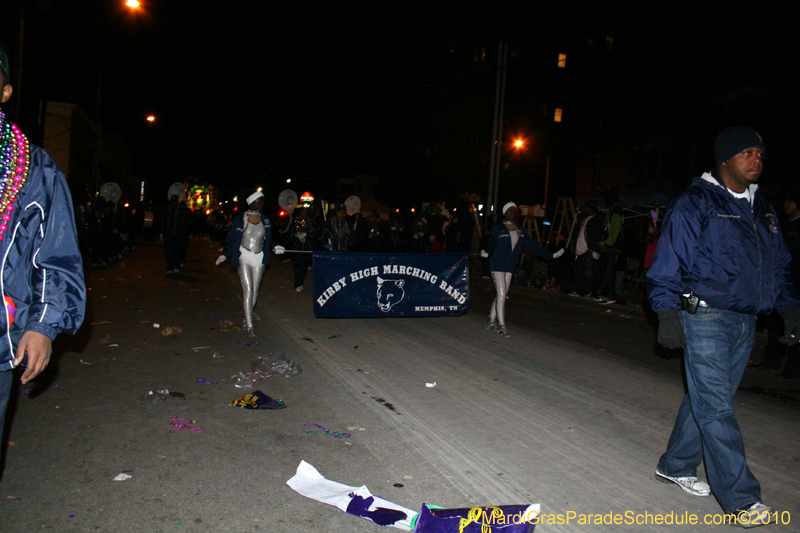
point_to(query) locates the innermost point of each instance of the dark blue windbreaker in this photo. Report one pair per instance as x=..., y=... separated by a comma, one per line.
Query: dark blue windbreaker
x=502, y=258
x=731, y=255
x=41, y=269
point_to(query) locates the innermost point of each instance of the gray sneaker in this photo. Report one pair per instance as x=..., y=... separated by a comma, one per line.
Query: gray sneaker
x=491, y=326
x=502, y=331
x=689, y=484
x=756, y=515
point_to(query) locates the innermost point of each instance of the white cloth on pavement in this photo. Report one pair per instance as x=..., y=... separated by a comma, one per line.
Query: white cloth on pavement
x=311, y=484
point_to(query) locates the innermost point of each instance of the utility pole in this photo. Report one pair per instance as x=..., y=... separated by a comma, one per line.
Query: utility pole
x=497, y=129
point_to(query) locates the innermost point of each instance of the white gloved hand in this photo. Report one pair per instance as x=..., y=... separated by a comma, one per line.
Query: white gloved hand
x=484, y=253
x=558, y=254
x=221, y=259
x=595, y=256
x=279, y=250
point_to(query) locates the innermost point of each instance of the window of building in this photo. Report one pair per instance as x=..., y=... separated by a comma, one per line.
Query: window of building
x=557, y=117
x=562, y=60
x=609, y=42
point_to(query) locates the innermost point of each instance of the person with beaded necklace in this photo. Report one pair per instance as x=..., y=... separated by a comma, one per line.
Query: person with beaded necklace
x=247, y=245
x=41, y=274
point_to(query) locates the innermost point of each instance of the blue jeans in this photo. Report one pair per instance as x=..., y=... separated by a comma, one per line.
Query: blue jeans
x=718, y=348
x=5, y=392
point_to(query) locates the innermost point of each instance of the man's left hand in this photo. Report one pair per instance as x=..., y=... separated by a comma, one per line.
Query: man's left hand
x=39, y=348
x=791, y=321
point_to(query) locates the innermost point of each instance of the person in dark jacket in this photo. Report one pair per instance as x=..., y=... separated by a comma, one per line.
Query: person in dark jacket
x=336, y=234
x=611, y=248
x=41, y=275
x=720, y=261
x=247, y=246
x=775, y=350
x=175, y=224
x=302, y=236
x=587, y=252
x=505, y=247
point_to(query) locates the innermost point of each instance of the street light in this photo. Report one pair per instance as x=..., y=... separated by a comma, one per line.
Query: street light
x=518, y=143
x=151, y=118
x=132, y=4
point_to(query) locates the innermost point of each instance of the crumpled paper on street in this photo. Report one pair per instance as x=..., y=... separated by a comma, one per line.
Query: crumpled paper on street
x=171, y=330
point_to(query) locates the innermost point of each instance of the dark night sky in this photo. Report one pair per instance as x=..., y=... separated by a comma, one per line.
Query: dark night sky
x=314, y=90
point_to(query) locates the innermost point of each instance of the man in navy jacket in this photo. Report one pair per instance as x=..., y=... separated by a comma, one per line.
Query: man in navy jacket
x=41, y=274
x=721, y=261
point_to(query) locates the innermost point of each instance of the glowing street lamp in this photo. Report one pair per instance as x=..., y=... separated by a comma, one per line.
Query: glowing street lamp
x=132, y=4
x=151, y=118
x=518, y=143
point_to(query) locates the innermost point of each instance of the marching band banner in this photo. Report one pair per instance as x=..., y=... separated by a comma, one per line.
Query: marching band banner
x=350, y=285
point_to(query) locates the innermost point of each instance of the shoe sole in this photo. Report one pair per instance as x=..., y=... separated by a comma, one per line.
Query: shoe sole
x=663, y=478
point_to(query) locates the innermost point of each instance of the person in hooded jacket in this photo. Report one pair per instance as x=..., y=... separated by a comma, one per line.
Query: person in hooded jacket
x=504, y=249
x=721, y=260
x=41, y=276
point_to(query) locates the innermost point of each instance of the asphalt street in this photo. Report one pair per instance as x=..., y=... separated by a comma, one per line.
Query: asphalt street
x=572, y=412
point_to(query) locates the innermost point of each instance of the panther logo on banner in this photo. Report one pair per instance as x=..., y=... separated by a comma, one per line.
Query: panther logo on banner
x=391, y=295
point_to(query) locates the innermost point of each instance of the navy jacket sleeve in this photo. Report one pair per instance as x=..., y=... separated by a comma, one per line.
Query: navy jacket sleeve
x=59, y=290
x=787, y=294
x=233, y=239
x=535, y=248
x=675, y=253
x=493, y=239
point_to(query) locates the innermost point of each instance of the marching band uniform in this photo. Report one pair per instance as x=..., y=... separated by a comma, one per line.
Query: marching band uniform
x=247, y=246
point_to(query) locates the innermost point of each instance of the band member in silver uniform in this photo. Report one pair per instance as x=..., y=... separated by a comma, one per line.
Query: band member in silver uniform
x=247, y=245
x=505, y=248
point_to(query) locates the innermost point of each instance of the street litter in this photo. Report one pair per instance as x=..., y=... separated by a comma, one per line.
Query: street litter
x=360, y=502
x=227, y=325
x=105, y=339
x=201, y=381
x=430, y=385
x=201, y=348
x=257, y=400
x=157, y=396
x=265, y=367
x=327, y=432
x=497, y=518
x=122, y=477
x=246, y=343
x=335, y=337
x=357, y=501
x=84, y=362
x=156, y=325
x=178, y=425
x=113, y=345
x=218, y=355
x=100, y=322
x=171, y=330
